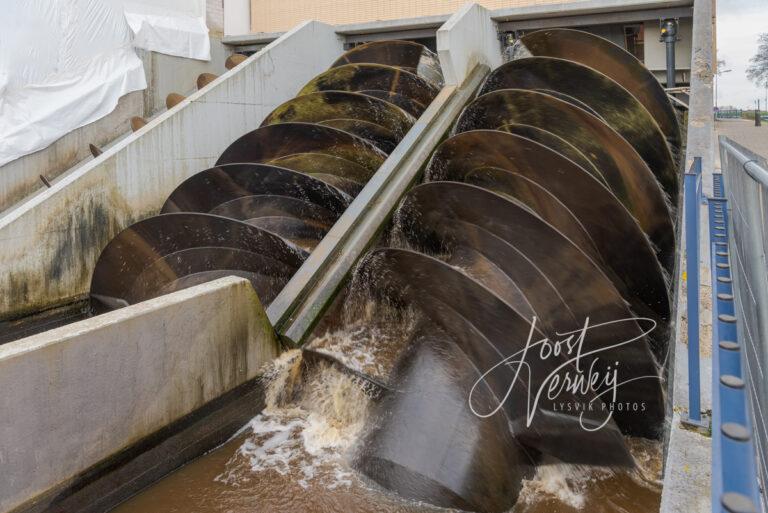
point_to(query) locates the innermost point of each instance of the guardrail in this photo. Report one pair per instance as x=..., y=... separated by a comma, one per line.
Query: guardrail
x=738, y=238
x=691, y=200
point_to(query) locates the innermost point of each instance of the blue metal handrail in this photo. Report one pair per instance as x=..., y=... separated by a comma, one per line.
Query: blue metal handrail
x=691, y=199
x=734, y=474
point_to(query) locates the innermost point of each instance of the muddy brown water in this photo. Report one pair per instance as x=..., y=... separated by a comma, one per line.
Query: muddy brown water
x=293, y=457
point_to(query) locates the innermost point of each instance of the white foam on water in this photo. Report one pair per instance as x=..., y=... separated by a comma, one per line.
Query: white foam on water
x=312, y=417
x=561, y=481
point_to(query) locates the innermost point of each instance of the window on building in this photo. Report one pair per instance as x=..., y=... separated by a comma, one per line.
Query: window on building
x=634, y=40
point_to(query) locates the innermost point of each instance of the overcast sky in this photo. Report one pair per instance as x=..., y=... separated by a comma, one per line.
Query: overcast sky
x=739, y=22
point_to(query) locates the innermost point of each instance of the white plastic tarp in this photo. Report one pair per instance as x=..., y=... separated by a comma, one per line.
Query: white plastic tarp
x=63, y=64
x=173, y=27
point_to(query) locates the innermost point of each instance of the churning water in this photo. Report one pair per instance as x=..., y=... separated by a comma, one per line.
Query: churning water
x=295, y=455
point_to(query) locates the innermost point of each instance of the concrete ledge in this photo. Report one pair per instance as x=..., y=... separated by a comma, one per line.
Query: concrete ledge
x=582, y=8
x=467, y=39
x=82, y=394
x=52, y=241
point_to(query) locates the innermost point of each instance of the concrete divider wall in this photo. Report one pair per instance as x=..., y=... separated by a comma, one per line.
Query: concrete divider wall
x=78, y=394
x=51, y=242
x=467, y=39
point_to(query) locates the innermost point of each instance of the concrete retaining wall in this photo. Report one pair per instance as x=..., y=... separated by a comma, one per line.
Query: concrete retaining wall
x=165, y=74
x=467, y=39
x=79, y=394
x=52, y=241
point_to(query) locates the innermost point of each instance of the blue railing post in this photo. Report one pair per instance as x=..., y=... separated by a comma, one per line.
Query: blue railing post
x=734, y=474
x=691, y=187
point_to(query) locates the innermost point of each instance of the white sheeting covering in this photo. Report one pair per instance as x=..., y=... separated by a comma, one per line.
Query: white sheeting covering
x=173, y=27
x=63, y=64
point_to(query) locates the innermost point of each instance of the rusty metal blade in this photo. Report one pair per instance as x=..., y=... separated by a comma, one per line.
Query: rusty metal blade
x=625, y=172
x=274, y=141
x=614, y=104
x=404, y=54
x=197, y=241
x=555, y=143
x=246, y=208
x=365, y=77
x=409, y=105
x=384, y=139
x=447, y=215
x=235, y=60
x=309, y=163
x=476, y=465
x=203, y=79
x=174, y=99
x=636, y=272
x=208, y=189
x=328, y=105
x=488, y=330
x=612, y=60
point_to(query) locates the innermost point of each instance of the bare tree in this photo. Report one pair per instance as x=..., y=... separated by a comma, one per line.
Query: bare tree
x=757, y=71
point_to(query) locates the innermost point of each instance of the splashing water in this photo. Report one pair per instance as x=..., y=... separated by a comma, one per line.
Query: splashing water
x=293, y=456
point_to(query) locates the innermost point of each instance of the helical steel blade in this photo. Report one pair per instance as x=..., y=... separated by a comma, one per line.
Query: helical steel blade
x=439, y=212
x=555, y=143
x=363, y=77
x=615, y=62
x=187, y=244
x=614, y=104
x=489, y=332
x=329, y=105
x=623, y=246
x=476, y=465
x=627, y=175
x=274, y=141
x=403, y=54
x=208, y=189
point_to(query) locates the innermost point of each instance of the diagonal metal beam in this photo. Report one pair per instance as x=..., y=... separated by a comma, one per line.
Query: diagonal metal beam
x=301, y=303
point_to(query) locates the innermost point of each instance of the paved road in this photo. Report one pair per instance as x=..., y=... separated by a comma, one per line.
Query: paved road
x=744, y=132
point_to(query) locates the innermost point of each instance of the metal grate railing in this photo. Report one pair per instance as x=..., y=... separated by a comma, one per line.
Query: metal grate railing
x=738, y=238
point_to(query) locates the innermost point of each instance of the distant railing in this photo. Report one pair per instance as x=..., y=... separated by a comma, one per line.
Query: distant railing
x=738, y=230
x=728, y=114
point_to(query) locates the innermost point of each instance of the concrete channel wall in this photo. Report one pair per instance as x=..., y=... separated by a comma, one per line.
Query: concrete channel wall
x=52, y=241
x=79, y=394
x=165, y=74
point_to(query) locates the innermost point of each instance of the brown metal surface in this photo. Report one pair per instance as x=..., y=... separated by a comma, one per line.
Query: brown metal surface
x=309, y=163
x=382, y=138
x=204, y=79
x=555, y=143
x=137, y=122
x=234, y=60
x=208, y=189
x=438, y=213
x=404, y=54
x=630, y=261
x=614, y=104
x=427, y=445
x=274, y=141
x=409, y=105
x=329, y=105
x=174, y=99
x=613, y=61
x=624, y=171
x=170, y=247
x=363, y=77
x=95, y=150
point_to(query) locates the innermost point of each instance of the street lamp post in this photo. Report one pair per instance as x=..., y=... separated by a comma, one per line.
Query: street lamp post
x=717, y=74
